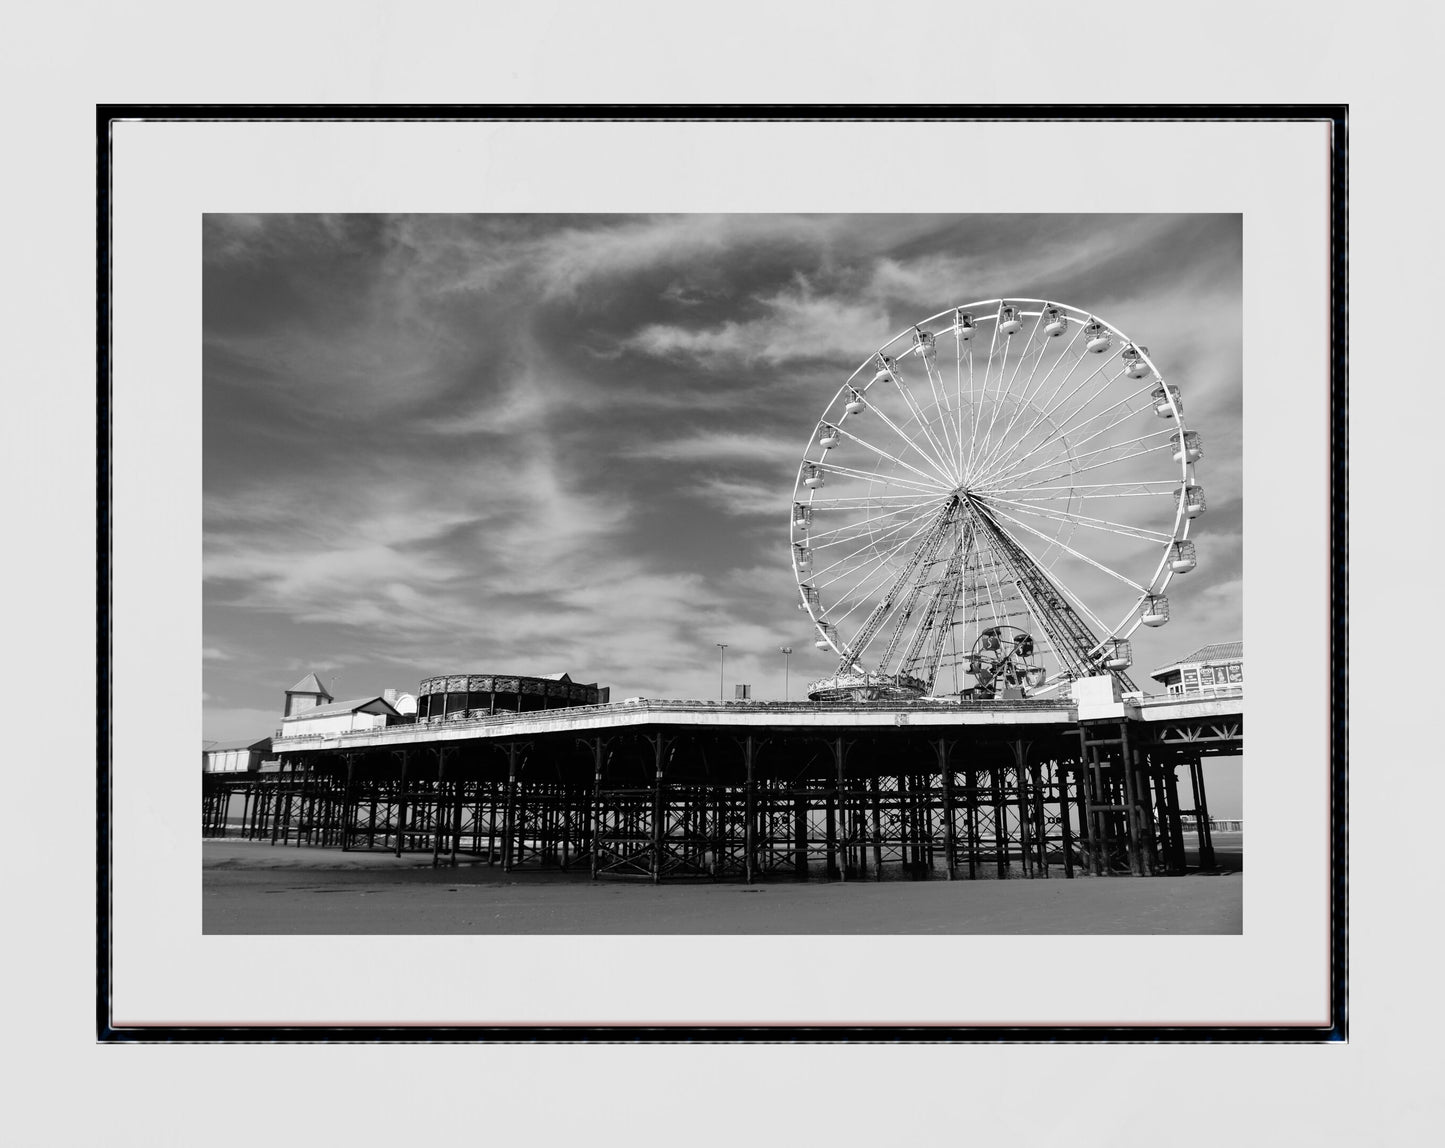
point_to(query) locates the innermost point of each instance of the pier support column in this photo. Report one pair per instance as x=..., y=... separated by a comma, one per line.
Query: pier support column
x=1061, y=787
x=405, y=755
x=1201, y=814
x=660, y=745
x=941, y=749
x=347, y=798
x=594, y=829
x=750, y=811
x=836, y=816
x=509, y=818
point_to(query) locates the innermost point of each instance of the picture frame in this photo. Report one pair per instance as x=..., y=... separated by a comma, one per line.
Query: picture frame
x=1291, y=957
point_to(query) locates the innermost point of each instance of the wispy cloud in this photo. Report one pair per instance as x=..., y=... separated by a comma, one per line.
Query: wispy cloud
x=538, y=443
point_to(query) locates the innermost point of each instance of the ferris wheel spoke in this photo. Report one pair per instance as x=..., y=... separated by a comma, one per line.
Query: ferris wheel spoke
x=871, y=547
x=1075, y=458
x=983, y=389
x=1097, y=565
x=873, y=476
x=874, y=541
x=1121, y=528
x=866, y=525
x=1085, y=490
x=879, y=564
x=881, y=453
x=958, y=391
x=939, y=389
x=992, y=464
x=882, y=501
x=943, y=475
x=872, y=551
x=1045, y=411
x=1070, y=473
x=998, y=391
x=939, y=453
x=1027, y=397
x=1061, y=432
x=1080, y=357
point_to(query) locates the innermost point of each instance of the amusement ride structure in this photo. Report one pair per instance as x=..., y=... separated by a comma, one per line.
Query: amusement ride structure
x=991, y=504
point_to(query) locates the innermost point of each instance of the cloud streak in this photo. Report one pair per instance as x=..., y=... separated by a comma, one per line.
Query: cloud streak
x=541, y=443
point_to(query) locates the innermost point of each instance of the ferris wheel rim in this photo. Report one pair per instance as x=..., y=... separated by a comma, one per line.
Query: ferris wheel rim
x=923, y=488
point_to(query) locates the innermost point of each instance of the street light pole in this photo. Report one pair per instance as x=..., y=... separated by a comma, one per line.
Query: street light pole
x=722, y=661
x=787, y=652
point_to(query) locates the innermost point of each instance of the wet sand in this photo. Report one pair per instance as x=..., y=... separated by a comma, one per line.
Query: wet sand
x=256, y=888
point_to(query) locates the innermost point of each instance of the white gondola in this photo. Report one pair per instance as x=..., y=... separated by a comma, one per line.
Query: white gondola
x=854, y=405
x=802, y=557
x=1182, y=558
x=1010, y=322
x=1155, y=611
x=810, y=598
x=1096, y=338
x=1117, y=654
x=1054, y=322
x=1193, y=498
x=963, y=326
x=1162, y=396
x=802, y=515
x=885, y=369
x=1034, y=676
x=827, y=436
x=923, y=341
x=812, y=476
x=1137, y=368
x=827, y=635
x=1191, y=449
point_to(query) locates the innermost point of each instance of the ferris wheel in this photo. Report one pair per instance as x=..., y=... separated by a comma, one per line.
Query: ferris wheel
x=1010, y=468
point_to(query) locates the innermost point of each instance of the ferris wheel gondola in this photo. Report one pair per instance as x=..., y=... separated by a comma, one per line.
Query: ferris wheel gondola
x=1013, y=466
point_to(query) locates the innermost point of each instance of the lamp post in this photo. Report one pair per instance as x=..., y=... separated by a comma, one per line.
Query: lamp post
x=722, y=661
x=787, y=652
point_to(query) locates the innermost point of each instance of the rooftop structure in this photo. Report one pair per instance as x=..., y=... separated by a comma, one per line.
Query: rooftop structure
x=1211, y=670
x=306, y=694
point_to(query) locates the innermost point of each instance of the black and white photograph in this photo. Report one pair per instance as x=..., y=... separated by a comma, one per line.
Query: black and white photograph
x=722, y=573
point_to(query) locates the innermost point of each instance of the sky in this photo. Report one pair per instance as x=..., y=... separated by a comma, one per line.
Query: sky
x=546, y=443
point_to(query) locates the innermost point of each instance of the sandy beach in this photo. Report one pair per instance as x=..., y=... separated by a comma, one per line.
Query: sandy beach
x=256, y=888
